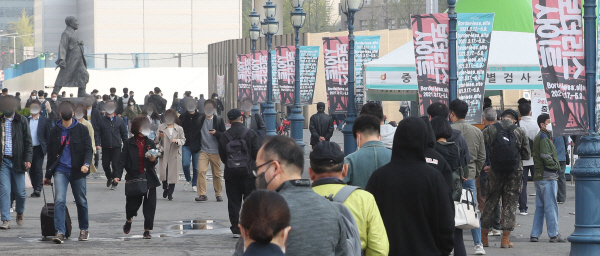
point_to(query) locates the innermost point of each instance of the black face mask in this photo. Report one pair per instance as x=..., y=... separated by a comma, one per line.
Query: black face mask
x=66, y=115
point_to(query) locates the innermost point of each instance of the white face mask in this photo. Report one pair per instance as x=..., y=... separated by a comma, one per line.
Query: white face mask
x=54, y=99
x=78, y=115
x=169, y=120
x=34, y=111
x=130, y=103
x=33, y=97
x=146, y=131
x=99, y=100
x=549, y=127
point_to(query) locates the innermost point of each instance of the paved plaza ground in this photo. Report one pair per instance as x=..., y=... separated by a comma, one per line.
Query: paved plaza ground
x=186, y=227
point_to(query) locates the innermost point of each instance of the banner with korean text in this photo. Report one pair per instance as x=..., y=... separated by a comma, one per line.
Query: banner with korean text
x=276, y=88
x=597, y=75
x=309, y=60
x=558, y=32
x=260, y=79
x=286, y=72
x=335, y=58
x=286, y=57
x=367, y=49
x=244, y=70
x=474, y=34
x=430, y=37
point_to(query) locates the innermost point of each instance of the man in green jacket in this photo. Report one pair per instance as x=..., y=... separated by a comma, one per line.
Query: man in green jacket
x=545, y=178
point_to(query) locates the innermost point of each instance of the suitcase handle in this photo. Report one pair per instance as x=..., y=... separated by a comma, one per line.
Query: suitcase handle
x=53, y=196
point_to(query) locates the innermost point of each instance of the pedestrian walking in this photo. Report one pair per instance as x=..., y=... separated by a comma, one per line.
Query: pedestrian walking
x=320, y=126
x=404, y=108
x=528, y=123
x=508, y=145
x=386, y=131
x=53, y=114
x=489, y=117
x=118, y=104
x=191, y=149
x=17, y=154
x=413, y=198
x=170, y=139
x=124, y=102
x=211, y=128
x=220, y=108
x=39, y=128
x=371, y=154
x=238, y=147
x=139, y=164
x=175, y=101
x=327, y=171
x=132, y=110
x=112, y=132
x=265, y=224
x=45, y=104
x=31, y=98
x=547, y=169
x=159, y=102
x=253, y=120
x=80, y=110
x=69, y=158
x=200, y=104
x=154, y=118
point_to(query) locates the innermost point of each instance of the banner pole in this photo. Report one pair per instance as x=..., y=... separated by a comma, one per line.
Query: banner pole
x=452, y=16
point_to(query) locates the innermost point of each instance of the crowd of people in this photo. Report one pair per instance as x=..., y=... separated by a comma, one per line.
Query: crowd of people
x=395, y=195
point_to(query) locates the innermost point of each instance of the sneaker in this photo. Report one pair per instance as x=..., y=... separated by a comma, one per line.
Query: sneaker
x=479, y=249
x=35, y=194
x=523, y=213
x=201, y=198
x=113, y=187
x=219, y=199
x=5, y=224
x=186, y=185
x=84, y=235
x=495, y=232
x=108, y=183
x=195, y=189
x=533, y=239
x=127, y=227
x=558, y=239
x=237, y=235
x=147, y=235
x=20, y=219
x=59, y=238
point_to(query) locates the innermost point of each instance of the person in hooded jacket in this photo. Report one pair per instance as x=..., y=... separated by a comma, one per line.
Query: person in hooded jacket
x=422, y=221
x=435, y=159
x=321, y=125
x=440, y=109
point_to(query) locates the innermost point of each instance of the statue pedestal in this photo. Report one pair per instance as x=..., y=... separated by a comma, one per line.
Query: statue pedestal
x=75, y=100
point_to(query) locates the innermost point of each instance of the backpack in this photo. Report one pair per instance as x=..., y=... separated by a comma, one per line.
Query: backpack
x=44, y=110
x=453, y=158
x=352, y=235
x=505, y=156
x=238, y=155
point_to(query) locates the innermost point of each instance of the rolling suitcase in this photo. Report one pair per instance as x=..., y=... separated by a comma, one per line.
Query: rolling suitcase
x=47, y=218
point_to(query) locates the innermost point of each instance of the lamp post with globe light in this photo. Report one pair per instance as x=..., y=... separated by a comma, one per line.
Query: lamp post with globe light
x=297, y=17
x=269, y=28
x=254, y=35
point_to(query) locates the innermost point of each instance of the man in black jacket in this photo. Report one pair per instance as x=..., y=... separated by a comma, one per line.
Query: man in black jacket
x=191, y=149
x=421, y=224
x=253, y=121
x=159, y=101
x=16, y=159
x=69, y=158
x=211, y=128
x=112, y=132
x=39, y=127
x=321, y=125
x=239, y=182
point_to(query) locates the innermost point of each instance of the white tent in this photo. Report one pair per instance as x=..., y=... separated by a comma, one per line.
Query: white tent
x=512, y=65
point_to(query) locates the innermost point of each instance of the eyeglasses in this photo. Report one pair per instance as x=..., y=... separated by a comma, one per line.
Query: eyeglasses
x=255, y=170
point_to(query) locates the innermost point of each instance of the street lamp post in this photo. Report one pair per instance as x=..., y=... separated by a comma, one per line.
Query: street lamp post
x=585, y=240
x=269, y=28
x=254, y=35
x=297, y=119
x=452, y=16
x=349, y=8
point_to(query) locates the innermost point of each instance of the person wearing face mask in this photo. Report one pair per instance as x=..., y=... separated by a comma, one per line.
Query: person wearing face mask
x=18, y=97
x=123, y=102
x=45, y=107
x=69, y=158
x=32, y=97
x=211, y=127
x=220, y=106
x=53, y=114
x=131, y=111
x=159, y=102
x=80, y=111
x=321, y=125
x=239, y=181
x=39, y=127
x=152, y=114
x=371, y=153
x=191, y=149
x=505, y=174
x=17, y=154
x=253, y=121
x=170, y=139
x=112, y=132
x=265, y=224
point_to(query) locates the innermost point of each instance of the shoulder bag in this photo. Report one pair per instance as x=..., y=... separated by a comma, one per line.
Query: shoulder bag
x=466, y=215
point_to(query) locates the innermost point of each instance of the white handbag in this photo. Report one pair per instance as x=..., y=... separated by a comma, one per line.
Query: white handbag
x=466, y=215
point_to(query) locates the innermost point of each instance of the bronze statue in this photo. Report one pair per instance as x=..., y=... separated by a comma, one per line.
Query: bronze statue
x=73, y=68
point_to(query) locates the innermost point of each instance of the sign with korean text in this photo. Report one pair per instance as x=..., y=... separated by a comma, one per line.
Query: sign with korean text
x=259, y=77
x=309, y=58
x=335, y=57
x=276, y=90
x=430, y=37
x=539, y=103
x=244, y=71
x=558, y=32
x=474, y=34
x=366, y=50
x=285, y=56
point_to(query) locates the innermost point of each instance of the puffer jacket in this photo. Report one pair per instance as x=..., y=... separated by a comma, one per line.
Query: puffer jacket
x=321, y=125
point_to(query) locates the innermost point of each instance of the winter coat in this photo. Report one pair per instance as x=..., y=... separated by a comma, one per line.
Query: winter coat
x=111, y=133
x=171, y=152
x=129, y=160
x=189, y=122
x=544, y=155
x=132, y=112
x=251, y=141
x=80, y=145
x=22, y=147
x=489, y=134
x=321, y=125
x=413, y=198
x=475, y=144
x=434, y=158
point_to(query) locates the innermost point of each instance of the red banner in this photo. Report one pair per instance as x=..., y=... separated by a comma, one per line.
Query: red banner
x=259, y=77
x=430, y=37
x=244, y=61
x=558, y=31
x=286, y=73
x=335, y=50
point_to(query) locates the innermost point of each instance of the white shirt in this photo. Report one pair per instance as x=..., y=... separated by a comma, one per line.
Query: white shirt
x=170, y=130
x=531, y=129
x=89, y=113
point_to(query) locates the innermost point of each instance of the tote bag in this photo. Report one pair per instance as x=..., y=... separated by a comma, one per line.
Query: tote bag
x=466, y=215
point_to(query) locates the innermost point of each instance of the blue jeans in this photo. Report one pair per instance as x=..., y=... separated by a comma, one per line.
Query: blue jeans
x=545, y=206
x=185, y=159
x=11, y=181
x=78, y=187
x=470, y=184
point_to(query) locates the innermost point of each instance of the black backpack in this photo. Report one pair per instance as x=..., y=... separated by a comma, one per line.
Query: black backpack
x=238, y=155
x=451, y=153
x=505, y=156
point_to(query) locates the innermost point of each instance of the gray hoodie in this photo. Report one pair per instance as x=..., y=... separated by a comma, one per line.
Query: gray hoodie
x=387, y=135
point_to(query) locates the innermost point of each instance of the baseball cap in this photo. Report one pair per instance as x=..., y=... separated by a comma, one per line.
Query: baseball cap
x=327, y=153
x=234, y=114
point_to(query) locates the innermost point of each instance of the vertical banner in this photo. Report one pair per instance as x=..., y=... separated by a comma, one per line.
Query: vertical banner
x=244, y=62
x=275, y=88
x=286, y=73
x=259, y=77
x=558, y=32
x=221, y=85
x=539, y=103
x=597, y=74
x=335, y=58
x=430, y=37
x=309, y=58
x=474, y=34
x=366, y=50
